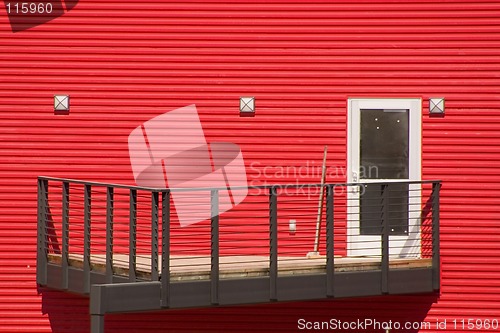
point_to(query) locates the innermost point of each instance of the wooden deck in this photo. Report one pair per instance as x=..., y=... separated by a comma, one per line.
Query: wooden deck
x=198, y=267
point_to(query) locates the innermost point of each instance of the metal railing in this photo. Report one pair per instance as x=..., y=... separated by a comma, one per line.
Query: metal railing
x=137, y=233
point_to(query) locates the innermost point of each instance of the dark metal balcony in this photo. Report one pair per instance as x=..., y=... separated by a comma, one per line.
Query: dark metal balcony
x=125, y=247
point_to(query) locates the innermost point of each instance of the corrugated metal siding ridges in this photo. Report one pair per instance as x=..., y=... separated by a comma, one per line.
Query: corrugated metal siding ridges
x=125, y=62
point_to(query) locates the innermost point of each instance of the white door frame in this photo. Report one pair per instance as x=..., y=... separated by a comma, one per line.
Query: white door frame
x=370, y=245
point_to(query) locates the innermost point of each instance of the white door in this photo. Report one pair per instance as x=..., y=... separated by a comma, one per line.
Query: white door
x=384, y=145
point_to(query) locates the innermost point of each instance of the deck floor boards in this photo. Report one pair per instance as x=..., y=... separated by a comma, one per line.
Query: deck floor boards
x=198, y=267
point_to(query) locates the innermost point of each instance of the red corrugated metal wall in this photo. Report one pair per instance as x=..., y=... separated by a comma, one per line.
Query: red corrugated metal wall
x=124, y=62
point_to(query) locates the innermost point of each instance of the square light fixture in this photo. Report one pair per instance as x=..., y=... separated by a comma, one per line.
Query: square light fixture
x=61, y=102
x=247, y=106
x=436, y=105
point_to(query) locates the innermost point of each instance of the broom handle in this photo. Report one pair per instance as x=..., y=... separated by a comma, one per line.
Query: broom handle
x=320, y=204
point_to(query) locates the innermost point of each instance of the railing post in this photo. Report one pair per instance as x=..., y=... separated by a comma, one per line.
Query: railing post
x=436, y=260
x=165, y=249
x=273, y=244
x=109, y=233
x=65, y=235
x=385, y=239
x=42, y=198
x=132, y=235
x=214, y=247
x=87, y=202
x=330, y=265
x=154, y=236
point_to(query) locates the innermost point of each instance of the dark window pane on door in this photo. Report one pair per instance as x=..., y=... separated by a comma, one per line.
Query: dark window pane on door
x=372, y=209
x=384, y=144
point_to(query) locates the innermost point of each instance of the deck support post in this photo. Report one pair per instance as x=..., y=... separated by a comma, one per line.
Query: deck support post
x=214, y=247
x=154, y=237
x=97, y=308
x=96, y=323
x=87, y=200
x=165, y=249
x=65, y=235
x=385, y=240
x=122, y=297
x=43, y=198
x=132, y=235
x=436, y=261
x=330, y=266
x=109, y=234
x=273, y=244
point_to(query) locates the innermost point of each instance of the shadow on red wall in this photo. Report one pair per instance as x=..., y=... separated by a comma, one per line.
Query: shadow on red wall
x=70, y=313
